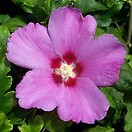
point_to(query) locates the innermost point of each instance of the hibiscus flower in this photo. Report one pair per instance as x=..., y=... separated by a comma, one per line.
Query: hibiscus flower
x=66, y=65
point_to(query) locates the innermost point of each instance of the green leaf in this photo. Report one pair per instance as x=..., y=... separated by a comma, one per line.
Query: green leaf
x=116, y=7
x=17, y=115
x=116, y=32
x=4, y=18
x=5, y=125
x=54, y=5
x=39, y=8
x=128, y=117
x=4, y=34
x=46, y=5
x=34, y=124
x=40, y=13
x=67, y=2
x=129, y=59
x=28, y=2
x=125, y=82
x=128, y=120
x=99, y=31
x=31, y=2
x=7, y=102
x=89, y=6
x=115, y=99
x=100, y=129
x=18, y=1
x=109, y=3
x=14, y=23
x=103, y=20
x=5, y=81
x=59, y=3
x=53, y=123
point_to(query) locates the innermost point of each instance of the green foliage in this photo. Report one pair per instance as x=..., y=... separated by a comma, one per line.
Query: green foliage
x=89, y=6
x=4, y=18
x=129, y=59
x=5, y=81
x=6, y=99
x=40, y=8
x=104, y=19
x=17, y=116
x=128, y=119
x=34, y=125
x=115, y=99
x=7, y=102
x=13, y=23
x=108, y=14
x=99, y=31
x=53, y=123
x=125, y=82
x=116, y=32
x=4, y=34
x=100, y=129
x=5, y=125
x=49, y=121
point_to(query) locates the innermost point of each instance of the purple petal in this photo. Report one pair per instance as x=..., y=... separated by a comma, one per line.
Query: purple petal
x=38, y=90
x=30, y=47
x=87, y=30
x=69, y=30
x=64, y=27
x=102, y=60
x=84, y=102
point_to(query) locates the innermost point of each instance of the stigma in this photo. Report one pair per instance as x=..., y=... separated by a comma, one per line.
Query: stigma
x=66, y=71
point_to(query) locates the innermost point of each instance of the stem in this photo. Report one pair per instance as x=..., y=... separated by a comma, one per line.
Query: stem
x=130, y=27
x=120, y=30
x=43, y=129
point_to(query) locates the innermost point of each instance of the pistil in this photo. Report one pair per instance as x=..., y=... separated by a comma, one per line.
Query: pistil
x=66, y=71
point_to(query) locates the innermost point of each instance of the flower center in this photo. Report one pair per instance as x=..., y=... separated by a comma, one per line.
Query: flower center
x=66, y=71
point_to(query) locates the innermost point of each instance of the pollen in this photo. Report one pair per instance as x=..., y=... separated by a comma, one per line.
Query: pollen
x=66, y=71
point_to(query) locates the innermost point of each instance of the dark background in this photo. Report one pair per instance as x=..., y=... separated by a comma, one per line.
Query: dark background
x=8, y=7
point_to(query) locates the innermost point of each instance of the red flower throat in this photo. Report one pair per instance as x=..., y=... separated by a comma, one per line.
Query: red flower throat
x=66, y=70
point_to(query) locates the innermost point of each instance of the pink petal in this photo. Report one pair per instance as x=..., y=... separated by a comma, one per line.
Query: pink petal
x=64, y=27
x=38, y=90
x=87, y=30
x=102, y=60
x=84, y=102
x=30, y=47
